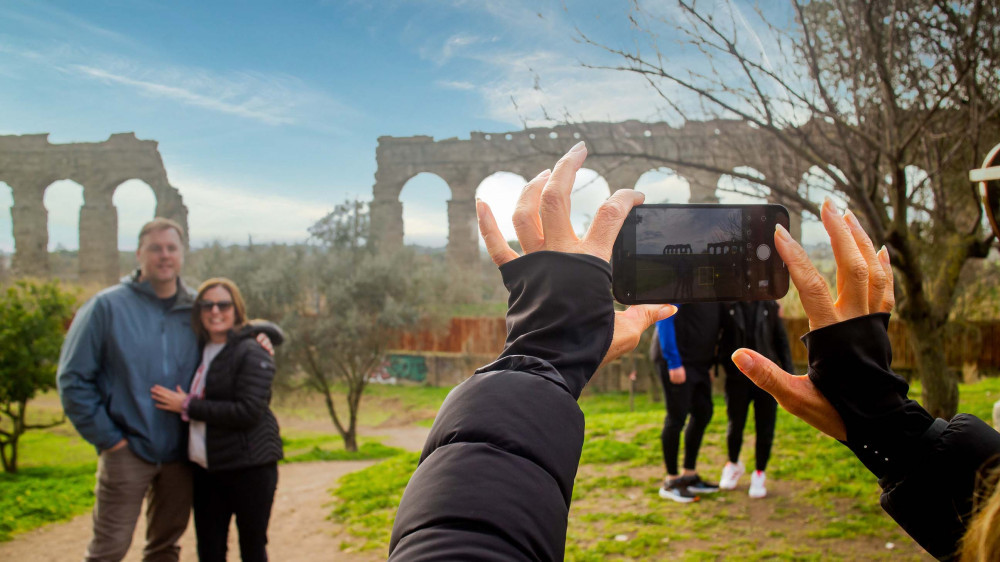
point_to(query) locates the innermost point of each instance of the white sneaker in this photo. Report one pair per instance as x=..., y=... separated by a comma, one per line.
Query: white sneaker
x=757, y=489
x=730, y=475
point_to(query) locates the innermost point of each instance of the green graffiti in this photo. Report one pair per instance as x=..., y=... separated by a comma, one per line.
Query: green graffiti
x=408, y=367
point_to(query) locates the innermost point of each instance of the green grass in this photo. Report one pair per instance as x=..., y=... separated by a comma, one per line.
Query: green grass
x=831, y=511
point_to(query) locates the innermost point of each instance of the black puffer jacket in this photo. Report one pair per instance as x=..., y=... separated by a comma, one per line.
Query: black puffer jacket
x=496, y=474
x=928, y=468
x=240, y=429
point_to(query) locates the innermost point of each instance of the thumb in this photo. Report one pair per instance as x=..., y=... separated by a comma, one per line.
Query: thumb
x=631, y=323
x=179, y=388
x=762, y=371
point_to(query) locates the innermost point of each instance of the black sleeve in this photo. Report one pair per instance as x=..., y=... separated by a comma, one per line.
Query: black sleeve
x=928, y=468
x=252, y=390
x=496, y=474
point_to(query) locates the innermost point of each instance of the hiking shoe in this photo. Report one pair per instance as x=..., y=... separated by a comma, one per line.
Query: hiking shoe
x=757, y=489
x=699, y=486
x=730, y=475
x=675, y=489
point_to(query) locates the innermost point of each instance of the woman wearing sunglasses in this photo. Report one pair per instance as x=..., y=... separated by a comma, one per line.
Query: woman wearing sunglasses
x=233, y=435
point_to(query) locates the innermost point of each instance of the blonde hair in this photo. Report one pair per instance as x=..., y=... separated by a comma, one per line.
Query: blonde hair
x=158, y=224
x=981, y=542
x=239, y=307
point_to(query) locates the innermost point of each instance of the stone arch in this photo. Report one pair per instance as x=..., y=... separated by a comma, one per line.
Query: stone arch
x=736, y=189
x=590, y=189
x=29, y=163
x=423, y=211
x=664, y=185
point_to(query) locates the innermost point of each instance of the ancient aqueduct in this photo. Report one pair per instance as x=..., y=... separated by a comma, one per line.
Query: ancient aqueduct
x=619, y=152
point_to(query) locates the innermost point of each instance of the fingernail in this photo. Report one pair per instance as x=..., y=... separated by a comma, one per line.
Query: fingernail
x=578, y=147
x=828, y=206
x=883, y=255
x=666, y=312
x=544, y=174
x=852, y=220
x=782, y=233
x=743, y=360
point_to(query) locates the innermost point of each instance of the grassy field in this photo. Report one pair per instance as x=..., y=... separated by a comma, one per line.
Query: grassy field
x=822, y=503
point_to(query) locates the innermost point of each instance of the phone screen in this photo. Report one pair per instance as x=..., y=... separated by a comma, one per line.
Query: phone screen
x=692, y=253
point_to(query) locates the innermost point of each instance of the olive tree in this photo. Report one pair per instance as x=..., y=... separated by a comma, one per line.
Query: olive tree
x=33, y=321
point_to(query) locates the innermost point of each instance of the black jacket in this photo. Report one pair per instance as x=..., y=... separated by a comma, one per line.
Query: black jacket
x=927, y=468
x=240, y=431
x=696, y=326
x=764, y=333
x=496, y=474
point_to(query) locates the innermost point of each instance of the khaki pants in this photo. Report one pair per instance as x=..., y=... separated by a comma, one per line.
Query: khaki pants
x=123, y=480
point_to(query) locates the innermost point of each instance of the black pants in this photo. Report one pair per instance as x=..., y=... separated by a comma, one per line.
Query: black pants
x=740, y=391
x=246, y=493
x=694, y=398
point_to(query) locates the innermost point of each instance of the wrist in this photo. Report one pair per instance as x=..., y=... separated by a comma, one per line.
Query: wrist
x=184, y=408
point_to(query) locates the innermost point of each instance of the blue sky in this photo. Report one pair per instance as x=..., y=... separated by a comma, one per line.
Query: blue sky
x=268, y=114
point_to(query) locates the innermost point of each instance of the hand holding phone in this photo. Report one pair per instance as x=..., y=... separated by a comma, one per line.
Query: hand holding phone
x=699, y=253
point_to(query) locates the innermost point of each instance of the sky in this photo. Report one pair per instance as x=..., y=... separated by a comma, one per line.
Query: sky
x=268, y=114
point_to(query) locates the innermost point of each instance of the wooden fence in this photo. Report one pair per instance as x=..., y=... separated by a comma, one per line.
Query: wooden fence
x=975, y=343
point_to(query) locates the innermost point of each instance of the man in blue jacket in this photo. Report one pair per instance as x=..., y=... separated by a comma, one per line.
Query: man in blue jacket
x=122, y=342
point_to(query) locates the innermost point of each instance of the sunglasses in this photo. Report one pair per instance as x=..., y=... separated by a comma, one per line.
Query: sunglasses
x=989, y=182
x=207, y=306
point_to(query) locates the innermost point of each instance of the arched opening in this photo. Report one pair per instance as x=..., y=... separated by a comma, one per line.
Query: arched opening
x=920, y=193
x=589, y=191
x=63, y=200
x=739, y=190
x=425, y=211
x=500, y=191
x=135, y=204
x=816, y=185
x=663, y=185
x=6, y=229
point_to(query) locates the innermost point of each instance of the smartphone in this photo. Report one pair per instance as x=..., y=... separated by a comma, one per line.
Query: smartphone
x=699, y=253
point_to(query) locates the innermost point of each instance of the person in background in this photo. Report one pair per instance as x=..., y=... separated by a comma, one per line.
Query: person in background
x=756, y=325
x=233, y=441
x=122, y=341
x=688, y=350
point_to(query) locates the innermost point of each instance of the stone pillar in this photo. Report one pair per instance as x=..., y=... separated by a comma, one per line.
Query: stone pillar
x=703, y=184
x=622, y=178
x=463, y=233
x=795, y=224
x=99, y=243
x=169, y=204
x=387, y=224
x=31, y=234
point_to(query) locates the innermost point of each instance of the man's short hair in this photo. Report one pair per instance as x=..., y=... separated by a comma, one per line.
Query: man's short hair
x=158, y=224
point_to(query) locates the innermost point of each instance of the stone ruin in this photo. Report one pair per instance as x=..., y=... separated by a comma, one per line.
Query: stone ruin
x=30, y=163
x=619, y=152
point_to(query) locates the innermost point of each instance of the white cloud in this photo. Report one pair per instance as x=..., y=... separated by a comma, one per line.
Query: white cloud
x=456, y=85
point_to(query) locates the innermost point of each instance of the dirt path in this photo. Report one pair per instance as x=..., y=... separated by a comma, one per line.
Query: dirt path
x=299, y=529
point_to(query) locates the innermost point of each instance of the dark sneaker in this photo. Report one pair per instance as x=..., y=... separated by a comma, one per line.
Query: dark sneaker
x=677, y=491
x=699, y=486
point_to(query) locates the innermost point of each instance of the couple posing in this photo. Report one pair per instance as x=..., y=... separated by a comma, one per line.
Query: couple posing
x=172, y=388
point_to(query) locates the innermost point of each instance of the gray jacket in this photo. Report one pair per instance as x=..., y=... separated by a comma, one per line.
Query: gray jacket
x=120, y=344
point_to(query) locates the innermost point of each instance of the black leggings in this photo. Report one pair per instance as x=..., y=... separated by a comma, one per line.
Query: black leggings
x=693, y=397
x=246, y=493
x=740, y=391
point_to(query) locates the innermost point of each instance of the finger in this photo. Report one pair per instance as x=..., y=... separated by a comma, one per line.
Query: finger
x=608, y=220
x=889, y=294
x=795, y=394
x=554, y=204
x=527, y=223
x=852, y=271
x=179, y=391
x=631, y=323
x=813, y=291
x=876, y=275
x=500, y=252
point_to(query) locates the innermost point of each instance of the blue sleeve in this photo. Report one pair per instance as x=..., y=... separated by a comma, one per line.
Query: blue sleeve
x=79, y=377
x=668, y=343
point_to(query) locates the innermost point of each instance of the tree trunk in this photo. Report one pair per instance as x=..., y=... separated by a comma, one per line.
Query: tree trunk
x=940, y=386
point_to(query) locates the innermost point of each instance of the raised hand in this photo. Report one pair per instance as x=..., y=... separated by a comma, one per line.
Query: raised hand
x=864, y=286
x=542, y=222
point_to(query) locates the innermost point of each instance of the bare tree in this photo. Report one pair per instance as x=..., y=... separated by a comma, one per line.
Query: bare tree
x=888, y=104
